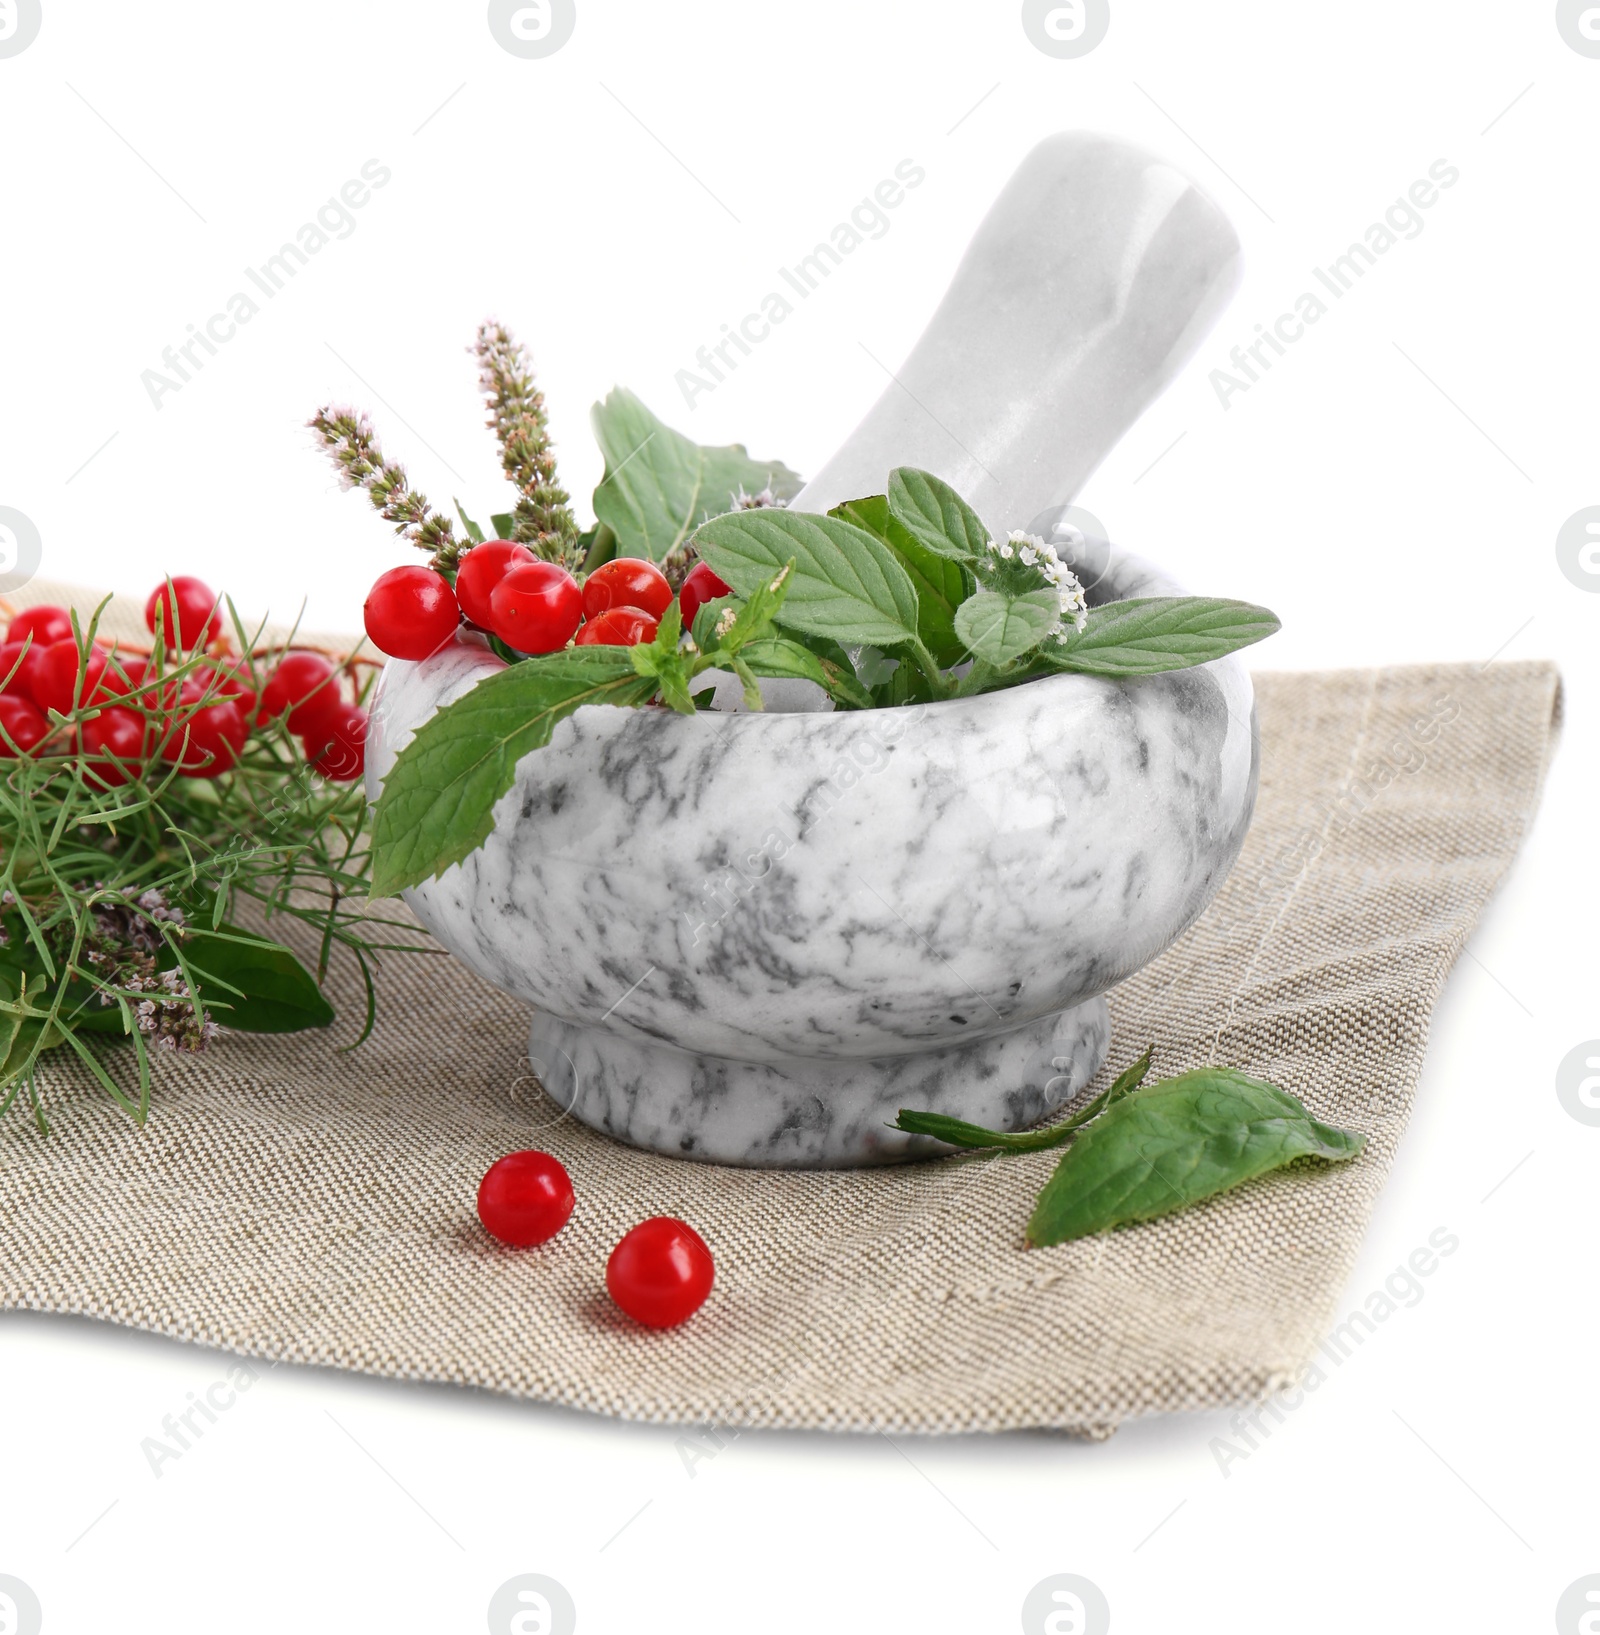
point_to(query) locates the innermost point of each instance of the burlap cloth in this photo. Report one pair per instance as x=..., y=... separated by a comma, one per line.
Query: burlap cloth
x=292, y=1202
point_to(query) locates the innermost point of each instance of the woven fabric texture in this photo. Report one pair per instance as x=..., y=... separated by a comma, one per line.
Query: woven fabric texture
x=289, y=1201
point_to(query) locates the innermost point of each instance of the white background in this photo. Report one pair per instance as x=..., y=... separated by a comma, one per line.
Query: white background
x=1444, y=1477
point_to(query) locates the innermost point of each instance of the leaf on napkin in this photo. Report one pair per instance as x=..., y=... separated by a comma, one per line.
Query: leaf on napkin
x=1175, y=1143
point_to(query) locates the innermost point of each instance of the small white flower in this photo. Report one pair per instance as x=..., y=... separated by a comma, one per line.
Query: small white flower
x=725, y=621
x=1007, y=551
x=1029, y=555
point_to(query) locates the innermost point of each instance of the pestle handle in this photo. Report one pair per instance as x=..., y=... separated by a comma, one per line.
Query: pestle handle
x=1087, y=287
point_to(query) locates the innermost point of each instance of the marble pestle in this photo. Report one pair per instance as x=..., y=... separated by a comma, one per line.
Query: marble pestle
x=1087, y=287
x=1089, y=284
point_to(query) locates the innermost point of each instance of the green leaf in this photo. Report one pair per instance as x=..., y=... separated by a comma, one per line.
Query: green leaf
x=661, y=660
x=1002, y=629
x=505, y=525
x=753, y=620
x=1150, y=634
x=474, y=532
x=938, y=516
x=846, y=585
x=706, y=616
x=437, y=805
x=256, y=985
x=942, y=583
x=659, y=486
x=1175, y=1143
x=778, y=658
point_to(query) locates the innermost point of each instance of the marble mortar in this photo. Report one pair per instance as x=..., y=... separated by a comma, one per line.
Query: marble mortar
x=750, y=938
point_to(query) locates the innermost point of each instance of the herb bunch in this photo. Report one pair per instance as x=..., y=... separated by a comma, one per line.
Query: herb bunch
x=904, y=597
x=899, y=598
x=121, y=873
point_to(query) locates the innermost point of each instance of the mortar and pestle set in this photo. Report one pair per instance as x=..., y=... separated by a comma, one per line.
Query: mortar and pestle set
x=750, y=937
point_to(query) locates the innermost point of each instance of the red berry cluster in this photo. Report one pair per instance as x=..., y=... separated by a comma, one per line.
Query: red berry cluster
x=659, y=1273
x=198, y=722
x=531, y=605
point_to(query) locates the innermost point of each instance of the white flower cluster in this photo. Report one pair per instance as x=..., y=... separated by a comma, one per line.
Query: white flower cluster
x=1033, y=552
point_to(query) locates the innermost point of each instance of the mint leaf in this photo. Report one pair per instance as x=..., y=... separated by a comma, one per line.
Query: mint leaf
x=1150, y=634
x=474, y=532
x=437, y=805
x=938, y=516
x=942, y=584
x=846, y=585
x=778, y=658
x=257, y=986
x=659, y=486
x=1001, y=629
x=1172, y=1144
x=661, y=660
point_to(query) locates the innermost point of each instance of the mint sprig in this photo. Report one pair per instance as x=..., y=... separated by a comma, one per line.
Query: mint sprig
x=1140, y=1151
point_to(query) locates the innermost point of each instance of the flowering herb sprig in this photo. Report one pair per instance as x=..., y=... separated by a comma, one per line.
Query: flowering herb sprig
x=541, y=519
x=352, y=444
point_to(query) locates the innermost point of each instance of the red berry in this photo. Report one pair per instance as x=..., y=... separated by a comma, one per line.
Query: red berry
x=206, y=742
x=481, y=569
x=411, y=612
x=18, y=668
x=661, y=1273
x=525, y=1198
x=226, y=682
x=701, y=586
x=337, y=748
x=627, y=581
x=536, y=607
x=114, y=742
x=306, y=685
x=619, y=627
x=55, y=678
x=196, y=620
x=44, y=624
x=24, y=724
